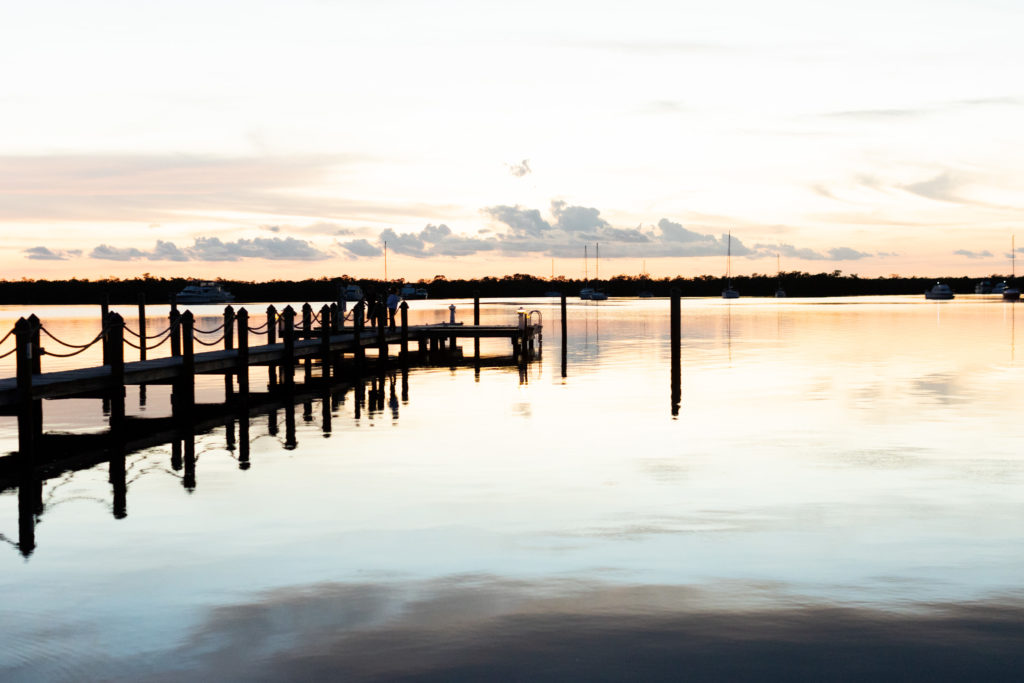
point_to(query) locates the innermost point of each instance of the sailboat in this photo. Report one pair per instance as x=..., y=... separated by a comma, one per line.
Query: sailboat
x=729, y=292
x=780, y=293
x=589, y=293
x=1012, y=292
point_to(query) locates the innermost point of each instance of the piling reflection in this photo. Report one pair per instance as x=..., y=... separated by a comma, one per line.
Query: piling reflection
x=382, y=393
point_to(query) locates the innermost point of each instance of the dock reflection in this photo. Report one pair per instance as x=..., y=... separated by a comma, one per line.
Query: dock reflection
x=382, y=393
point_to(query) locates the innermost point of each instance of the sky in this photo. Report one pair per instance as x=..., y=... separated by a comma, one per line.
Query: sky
x=260, y=140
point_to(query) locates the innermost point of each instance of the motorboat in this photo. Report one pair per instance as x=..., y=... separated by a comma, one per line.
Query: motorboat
x=204, y=292
x=591, y=294
x=730, y=293
x=413, y=292
x=352, y=293
x=984, y=287
x=939, y=291
x=645, y=294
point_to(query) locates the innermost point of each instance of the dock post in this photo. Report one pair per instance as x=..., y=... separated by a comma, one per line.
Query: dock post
x=142, y=326
x=188, y=479
x=307, y=333
x=358, y=324
x=288, y=337
x=175, y=323
x=335, y=319
x=27, y=429
x=229, y=343
x=37, y=369
x=186, y=385
x=104, y=311
x=271, y=339
x=404, y=308
x=242, y=319
x=382, y=331
x=675, y=323
x=114, y=345
x=476, y=323
x=325, y=343
x=565, y=347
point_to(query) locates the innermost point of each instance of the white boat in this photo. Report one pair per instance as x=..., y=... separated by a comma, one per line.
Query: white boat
x=204, y=292
x=590, y=293
x=352, y=293
x=780, y=293
x=413, y=292
x=939, y=291
x=729, y=292
x=1012, y=292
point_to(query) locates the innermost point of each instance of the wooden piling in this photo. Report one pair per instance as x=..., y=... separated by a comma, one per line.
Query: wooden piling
x=307, y=333
x=382, y=331
x=242, y=319
x=229, y=343
x=325, y=342
x=288, y=337
x=174, y=319
x=358, y=324
x=675, y=323
x=271, y=339
x=476, y=321
x=404, y=308
x=142, y=326
x=104, y=311
x=27, y=429
x=565, y=340
x=114, y=344
x=185, y=388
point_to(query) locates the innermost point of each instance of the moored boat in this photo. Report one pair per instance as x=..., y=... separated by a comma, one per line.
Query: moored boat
x=204, y=292
x=939, y=291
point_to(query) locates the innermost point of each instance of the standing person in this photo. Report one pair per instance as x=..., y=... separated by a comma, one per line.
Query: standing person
x=393, y=300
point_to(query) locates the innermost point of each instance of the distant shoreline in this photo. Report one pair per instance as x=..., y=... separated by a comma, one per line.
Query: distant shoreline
x=160, y=290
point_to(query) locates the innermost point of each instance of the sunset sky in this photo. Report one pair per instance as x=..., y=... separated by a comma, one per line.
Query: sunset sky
x=263, y=140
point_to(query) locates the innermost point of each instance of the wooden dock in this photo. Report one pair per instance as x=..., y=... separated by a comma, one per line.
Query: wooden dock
x=321, y=340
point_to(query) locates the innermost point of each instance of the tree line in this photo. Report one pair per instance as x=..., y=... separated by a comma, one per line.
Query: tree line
x=160, y=290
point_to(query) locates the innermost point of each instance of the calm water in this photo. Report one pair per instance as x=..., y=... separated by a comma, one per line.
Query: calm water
x=841, y=496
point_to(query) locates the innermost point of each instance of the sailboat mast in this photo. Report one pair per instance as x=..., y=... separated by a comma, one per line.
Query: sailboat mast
x=728, y=259
x=385, y=261
x=586, y=271
x=597, y=261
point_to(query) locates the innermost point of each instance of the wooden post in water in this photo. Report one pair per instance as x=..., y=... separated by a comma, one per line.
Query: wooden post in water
x=229, y=343
x=142, y=326
x=271, y=339
x=186, y=389
x=307, y=332
x=565, y=341
x=37, y=369
x=335, y=318
x=242, y=318
x=27, y=429
x=325, y=343
x=404, y=308
x=476, y=322
x=676, y=340
x=175, y=322
x=104, y=311
x=358, y=324
x=288, y=337
x=115, y=358
x=382, y=331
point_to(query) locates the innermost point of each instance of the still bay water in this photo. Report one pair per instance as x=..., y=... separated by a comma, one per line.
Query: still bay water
x=840, y=496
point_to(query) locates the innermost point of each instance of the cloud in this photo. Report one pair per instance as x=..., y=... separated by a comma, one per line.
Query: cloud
x=833, y=254
x=215, y=249
x=109, y=253
x=942, y=188
x=47, y=254
x=522, y=221
x=576, y=218
x=973, y=254
x=520, y=169
x=361, y=248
